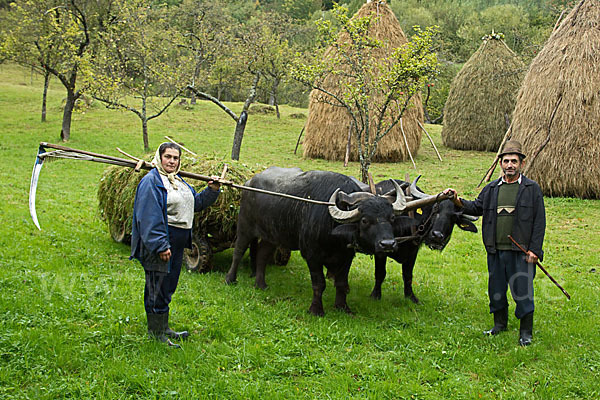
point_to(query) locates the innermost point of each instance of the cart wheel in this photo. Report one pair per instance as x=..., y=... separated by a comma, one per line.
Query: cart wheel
x=198, y=259
x=281, y=256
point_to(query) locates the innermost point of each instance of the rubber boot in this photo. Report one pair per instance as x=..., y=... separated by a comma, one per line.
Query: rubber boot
x=175, y=335
x=157, y=326
x=500, y=322
x=526, y=330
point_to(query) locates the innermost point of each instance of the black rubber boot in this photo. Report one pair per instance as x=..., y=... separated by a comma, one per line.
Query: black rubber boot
x=157, y=326
x=500, y=322
x=175, y=335
x=526, y=330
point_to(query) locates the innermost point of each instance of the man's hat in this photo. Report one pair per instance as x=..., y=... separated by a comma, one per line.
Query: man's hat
x=512, y=147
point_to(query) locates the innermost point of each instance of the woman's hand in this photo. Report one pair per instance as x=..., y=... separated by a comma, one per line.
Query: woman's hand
x=165, y=255
x=214, y=184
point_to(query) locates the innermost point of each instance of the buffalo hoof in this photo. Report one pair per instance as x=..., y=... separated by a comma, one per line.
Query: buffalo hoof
x=316, y=311
x=261, y=285
x=376, y=294
x=344, y=308
x=230, y=280
x=413, y=298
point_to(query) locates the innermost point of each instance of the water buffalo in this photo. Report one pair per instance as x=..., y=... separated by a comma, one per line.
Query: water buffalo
x=325, y=235
x=434, y=225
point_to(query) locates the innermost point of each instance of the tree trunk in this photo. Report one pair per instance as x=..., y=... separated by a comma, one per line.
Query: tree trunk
x=193, y=99
x=45, y=94
x=364, y=170
x=145, y=134
x=239, y=135
x=273, y=97
x=241, y=123
x=145, y=125
x=65, y=133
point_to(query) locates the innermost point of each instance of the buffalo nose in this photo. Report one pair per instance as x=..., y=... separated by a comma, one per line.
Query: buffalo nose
x=387, y=244
x=437, y=234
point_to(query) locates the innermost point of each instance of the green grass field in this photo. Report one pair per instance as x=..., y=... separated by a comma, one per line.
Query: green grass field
x=72, y=322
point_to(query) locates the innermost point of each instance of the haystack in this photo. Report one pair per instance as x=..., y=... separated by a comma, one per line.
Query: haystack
x=563, y=151
x=482, y=94
x=326, y=133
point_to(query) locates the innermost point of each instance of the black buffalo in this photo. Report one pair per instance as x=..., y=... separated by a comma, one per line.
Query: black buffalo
x=433, y=226
x=325, y=235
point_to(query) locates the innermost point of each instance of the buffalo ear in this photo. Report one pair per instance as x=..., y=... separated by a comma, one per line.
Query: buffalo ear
x=345, y=232
x=466, y=225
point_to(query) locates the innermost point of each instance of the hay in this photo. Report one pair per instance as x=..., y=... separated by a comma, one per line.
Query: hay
x=481, y=95
x=567, y=69
x=327, y=126
x=116, y=194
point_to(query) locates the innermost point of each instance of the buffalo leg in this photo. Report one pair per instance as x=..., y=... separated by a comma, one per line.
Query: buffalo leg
x=253, y=248
x=341, y=289
x=380, y=273
x=318, y=285
x=264, y=253
x=241, y=245
x=407, y=277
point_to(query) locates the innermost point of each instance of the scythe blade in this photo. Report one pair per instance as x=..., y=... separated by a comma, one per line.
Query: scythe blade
x=37, y=167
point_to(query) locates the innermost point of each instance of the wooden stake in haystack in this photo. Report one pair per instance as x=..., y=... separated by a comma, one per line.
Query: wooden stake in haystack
x=62, y=152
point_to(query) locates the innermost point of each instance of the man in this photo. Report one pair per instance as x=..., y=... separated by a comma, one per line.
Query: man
x=511, y=205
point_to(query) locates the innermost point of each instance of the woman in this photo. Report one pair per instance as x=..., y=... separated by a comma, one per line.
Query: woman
x=163, y=214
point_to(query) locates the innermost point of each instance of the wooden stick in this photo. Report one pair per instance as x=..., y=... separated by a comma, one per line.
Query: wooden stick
x=558, y=20
x=298, y=141
x=547, y=140
x=406, y=143
x=348, y=145
x=186, y=149
x=102, y=158
x=542, y=268
x=431, y=140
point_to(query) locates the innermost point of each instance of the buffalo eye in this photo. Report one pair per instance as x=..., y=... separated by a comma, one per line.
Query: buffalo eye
x=392, y=218
x=364, y=221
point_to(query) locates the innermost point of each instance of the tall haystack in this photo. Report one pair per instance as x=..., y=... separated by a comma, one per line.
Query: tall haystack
x=326, y=133
x=557, y=115
x=482, y=94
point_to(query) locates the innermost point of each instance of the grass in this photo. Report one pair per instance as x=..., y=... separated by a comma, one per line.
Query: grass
x=71, y=308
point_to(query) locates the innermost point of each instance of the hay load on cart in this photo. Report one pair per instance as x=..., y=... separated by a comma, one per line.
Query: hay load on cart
x=214, y=228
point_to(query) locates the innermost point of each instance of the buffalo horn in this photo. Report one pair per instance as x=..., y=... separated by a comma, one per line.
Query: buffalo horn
x=399, y=203
x=340, y=215
x=417, y=194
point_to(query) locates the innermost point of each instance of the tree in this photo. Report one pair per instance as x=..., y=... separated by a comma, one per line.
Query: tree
x=254, y=54
x=58, y=35
x=204, y=28
x=137, y=67
x=374, y=92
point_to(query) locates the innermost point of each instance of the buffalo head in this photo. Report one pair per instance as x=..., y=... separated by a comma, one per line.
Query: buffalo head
x=444, y=215
x=366, y=219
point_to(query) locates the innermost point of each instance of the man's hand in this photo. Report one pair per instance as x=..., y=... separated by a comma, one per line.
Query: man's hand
x=531, y=257
x=455, y=198
x=165, y=255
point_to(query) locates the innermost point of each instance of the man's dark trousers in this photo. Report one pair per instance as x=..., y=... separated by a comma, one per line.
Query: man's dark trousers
x=508, y=268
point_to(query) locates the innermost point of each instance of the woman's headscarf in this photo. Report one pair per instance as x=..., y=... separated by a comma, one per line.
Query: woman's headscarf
x=172, y=177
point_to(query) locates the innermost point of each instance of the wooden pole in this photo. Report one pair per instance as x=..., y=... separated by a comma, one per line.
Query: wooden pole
x=406, y=143
x=186, y=149
x=431, y=140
